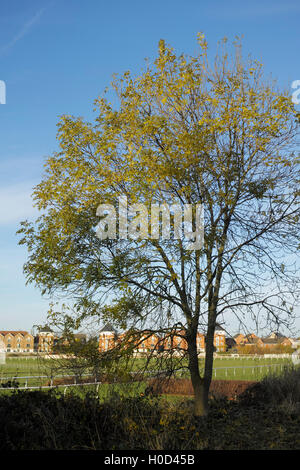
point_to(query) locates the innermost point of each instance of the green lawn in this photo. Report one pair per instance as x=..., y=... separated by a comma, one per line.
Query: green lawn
x=246, y=368
x=22, y=367
x=229, y=368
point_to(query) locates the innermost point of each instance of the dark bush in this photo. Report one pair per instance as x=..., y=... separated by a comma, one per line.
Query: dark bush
x=38, y=420
x=46, y=420
x=275, y=390
x=263, y=417
x=10, y=384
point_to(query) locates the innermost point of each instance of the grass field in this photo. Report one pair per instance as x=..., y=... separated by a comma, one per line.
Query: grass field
x=25, y=369
x=246, y=368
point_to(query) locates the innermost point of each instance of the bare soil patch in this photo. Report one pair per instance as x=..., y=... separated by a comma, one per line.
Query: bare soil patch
x=230, y=389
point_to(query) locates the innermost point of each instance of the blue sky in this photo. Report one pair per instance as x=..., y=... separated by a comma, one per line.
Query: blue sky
x=57, y=56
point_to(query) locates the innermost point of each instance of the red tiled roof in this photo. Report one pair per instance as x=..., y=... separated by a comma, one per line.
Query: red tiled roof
x=14, y=333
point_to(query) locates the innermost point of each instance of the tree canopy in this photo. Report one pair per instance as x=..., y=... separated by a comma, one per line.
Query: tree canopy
x=187, y=130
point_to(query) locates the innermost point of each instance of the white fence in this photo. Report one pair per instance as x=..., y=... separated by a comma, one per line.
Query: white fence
x=65, y=386
x=221, y=372
x=50, y=379
x=251, y=356
x=254, y=370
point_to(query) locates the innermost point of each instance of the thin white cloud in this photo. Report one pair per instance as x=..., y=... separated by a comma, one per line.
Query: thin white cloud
x=25, y=30
x=16, y=203
x=17, y=169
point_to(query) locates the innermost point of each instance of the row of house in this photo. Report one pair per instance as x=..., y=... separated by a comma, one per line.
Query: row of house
x=45, y=340
x=147, y=342
x=249, y=343
x=274, y=342
x=24, y=342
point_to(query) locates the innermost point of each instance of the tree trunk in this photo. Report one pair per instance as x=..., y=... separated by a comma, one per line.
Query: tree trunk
x=209, y=352
x=200, y=390
x=200, y=396
x=200, y=384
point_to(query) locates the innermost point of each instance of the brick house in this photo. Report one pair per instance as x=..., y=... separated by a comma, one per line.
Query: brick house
x=2, y=352
x=108, y=338
x=239, y=338
x=200, y=341
x=248, y=340
x=276, y=342
x=249, y=344
x=220, y=339
x=17, y=341
x=44, y=340
x=149, y=342
x=253, y=340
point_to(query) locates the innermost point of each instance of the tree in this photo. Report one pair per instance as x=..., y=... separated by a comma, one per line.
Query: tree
x=81, y=359
x=183, y=132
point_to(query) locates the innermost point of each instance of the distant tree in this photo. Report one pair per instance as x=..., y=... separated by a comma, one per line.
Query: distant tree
x=188, y=132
